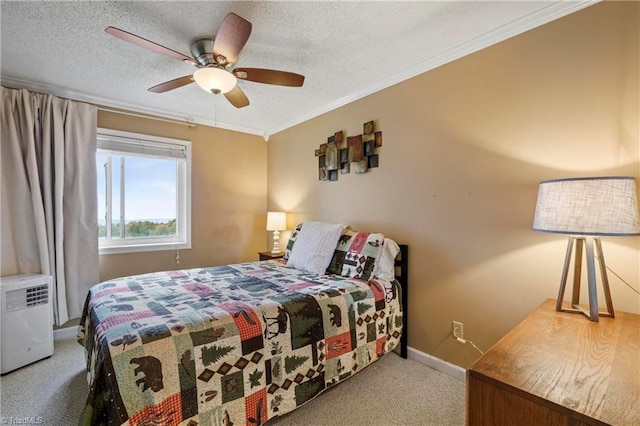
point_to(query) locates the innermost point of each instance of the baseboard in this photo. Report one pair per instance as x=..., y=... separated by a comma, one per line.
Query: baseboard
x=445, y=367
x=65, y=333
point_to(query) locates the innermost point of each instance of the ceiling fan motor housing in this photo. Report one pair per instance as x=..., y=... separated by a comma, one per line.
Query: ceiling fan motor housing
x=202, y=50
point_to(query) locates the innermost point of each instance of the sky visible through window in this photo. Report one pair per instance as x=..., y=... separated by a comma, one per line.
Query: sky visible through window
x=150, y=188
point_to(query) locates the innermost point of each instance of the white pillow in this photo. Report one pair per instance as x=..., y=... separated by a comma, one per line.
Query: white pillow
x=385, y=269
x=314, y=247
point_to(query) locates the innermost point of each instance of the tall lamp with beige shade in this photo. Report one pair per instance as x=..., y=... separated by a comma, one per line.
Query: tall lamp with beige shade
x=586, y=209
x=276, y=222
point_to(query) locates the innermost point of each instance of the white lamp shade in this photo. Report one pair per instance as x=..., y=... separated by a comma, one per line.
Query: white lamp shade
x=596, y=206
x=215, y=80
x=276, y=221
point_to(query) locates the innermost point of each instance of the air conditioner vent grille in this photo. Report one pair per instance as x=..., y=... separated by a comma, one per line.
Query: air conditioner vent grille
x=27, y=297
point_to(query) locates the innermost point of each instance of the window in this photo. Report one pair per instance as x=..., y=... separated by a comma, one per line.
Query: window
x=143, y=192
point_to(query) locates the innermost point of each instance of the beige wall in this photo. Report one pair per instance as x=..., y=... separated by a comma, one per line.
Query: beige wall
x=464, y=147
x=228, y=198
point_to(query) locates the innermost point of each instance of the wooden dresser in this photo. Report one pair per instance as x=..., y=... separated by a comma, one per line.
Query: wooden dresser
x=558, y=368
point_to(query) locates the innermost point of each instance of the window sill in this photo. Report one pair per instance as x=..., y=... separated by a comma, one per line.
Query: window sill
x=139, y=248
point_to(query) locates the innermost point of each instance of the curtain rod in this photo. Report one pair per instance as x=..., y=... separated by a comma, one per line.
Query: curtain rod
x=184, y=122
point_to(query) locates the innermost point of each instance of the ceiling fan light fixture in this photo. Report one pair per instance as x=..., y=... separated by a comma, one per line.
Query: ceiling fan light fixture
x=215, y=80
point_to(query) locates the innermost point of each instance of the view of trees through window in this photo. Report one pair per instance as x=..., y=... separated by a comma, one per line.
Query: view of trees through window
x=140, y=228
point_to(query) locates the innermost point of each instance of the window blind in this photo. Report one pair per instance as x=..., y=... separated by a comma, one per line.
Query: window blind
x=147, y=148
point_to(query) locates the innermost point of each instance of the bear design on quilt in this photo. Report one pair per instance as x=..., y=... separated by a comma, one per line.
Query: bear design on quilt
x=335, y=315
x=151, y=368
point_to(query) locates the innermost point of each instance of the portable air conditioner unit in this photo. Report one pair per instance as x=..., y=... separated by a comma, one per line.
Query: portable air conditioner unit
x=26, y=315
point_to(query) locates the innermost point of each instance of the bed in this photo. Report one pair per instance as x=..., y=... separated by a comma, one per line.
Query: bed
x=239, y=344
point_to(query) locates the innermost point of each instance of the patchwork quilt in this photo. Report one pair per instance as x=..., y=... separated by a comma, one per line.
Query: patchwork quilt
x=236, y=344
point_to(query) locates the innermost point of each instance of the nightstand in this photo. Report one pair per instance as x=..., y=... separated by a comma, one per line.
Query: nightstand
x=266, y=255
x=559, y=368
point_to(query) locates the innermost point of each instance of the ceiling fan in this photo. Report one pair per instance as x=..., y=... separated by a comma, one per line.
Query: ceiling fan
x=215, y=60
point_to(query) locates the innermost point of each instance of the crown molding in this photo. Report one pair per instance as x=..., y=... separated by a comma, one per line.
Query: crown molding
x=63, y=92
x=535, y=19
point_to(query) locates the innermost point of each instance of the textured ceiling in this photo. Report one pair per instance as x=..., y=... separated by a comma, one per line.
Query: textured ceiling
x=346, y=50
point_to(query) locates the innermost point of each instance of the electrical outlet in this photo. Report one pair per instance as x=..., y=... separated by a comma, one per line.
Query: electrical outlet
x=456, y=329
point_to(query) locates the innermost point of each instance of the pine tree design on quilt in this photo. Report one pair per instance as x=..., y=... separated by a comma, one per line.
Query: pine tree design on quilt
x=211, y=354
x=293, y=362
x=363, y=307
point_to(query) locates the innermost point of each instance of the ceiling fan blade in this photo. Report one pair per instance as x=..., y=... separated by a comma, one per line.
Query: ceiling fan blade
x=171, y=84
x=231, y=38
x=143, y=42
x=259, y=75
x=237, y=97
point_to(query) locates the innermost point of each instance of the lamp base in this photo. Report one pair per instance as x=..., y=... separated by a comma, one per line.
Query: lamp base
x=276, y=240
x=594, y=312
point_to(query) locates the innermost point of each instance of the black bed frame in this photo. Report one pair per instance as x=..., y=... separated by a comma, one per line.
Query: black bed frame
x=401, y=263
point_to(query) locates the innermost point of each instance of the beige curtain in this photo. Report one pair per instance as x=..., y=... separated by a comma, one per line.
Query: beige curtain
x=49, y=197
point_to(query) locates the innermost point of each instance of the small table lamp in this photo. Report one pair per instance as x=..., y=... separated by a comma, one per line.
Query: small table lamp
x=276, y=222
x=587, y=208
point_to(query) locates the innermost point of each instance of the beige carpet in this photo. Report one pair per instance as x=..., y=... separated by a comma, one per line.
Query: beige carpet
x=391, y=391
x=48, y=392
